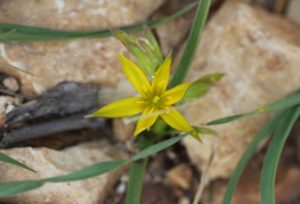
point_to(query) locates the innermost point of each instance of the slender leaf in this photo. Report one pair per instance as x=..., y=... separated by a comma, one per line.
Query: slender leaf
x=7, y=159
x=88, y=172
x=14, y=32
x=284, y=103
x=205, y=131
x=15, y=187
x=157, y=147
x=265, y=132
x=270, y=164
x=192, y=43
x=201, y=86
x=136, y=178
x=229, y=119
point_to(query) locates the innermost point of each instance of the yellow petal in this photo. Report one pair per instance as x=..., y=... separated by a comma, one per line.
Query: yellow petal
x=147, y=119
x=176, y=120
x=122, y=108
x=161, y=78
x=135, y=76
x=174, y=95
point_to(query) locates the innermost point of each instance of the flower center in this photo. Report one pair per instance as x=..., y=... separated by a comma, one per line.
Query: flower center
x=156, y=100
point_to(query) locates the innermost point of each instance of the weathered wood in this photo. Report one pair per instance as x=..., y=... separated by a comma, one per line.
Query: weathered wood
x=65, y=99
x=57, y=110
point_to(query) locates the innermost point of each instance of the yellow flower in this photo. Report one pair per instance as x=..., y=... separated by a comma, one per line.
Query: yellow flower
x=154, y=100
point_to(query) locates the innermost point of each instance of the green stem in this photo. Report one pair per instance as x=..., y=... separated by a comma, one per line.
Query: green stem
x=136, y=178
x=192, y=43
x=14, y=32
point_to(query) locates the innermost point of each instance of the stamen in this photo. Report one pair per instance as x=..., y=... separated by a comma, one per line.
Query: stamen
x=155, y=99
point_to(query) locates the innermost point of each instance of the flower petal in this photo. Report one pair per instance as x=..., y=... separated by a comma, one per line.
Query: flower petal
x=147, y=119
x=161, y=78
x=176, y=120
x=175, y=94
x=121, y=108
x=135, y=76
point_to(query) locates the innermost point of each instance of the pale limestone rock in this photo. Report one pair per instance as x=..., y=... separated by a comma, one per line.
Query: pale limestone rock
x=84, y=60
x=7, y=104
x=123, y=130
x=293, y=11
x=49, y=163
x=259, y=53
x=180, y=176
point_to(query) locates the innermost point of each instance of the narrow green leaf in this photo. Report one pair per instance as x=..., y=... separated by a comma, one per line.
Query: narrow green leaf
x=15, y=187
x=265, y=132
x=201, y=86
x=14, y=32
x=195, y=91
x=206, y=131
x=229, y=118
x=7, y=159
x=157, y=147
x=286, y=102
x=270, y=164
x=135, y=184
x=281, y=104
x=210, y=78
x=88, y=172
x=192, y=43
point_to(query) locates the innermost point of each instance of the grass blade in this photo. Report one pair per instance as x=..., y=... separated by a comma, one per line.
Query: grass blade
x=136, y=178
x=270, y=164
x=229, y=119
x=201, y=86
x=7, y=159
x=192, y=43
x=281, y=104
x=16, y=187
x=266, y=131
x=14, y=32
x=157, y=147
x=88, y=172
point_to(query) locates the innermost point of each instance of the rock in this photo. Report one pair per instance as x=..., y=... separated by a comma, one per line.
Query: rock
x=259, y=53
x=180, y=176
x=123, y=130
x=49, y=162
x=83, y=60
x=7, y=104
x=293, y=11
x=11, y=84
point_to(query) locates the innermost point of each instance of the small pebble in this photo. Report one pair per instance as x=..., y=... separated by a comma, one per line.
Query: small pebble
x=11, y=84
x=180, y=176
